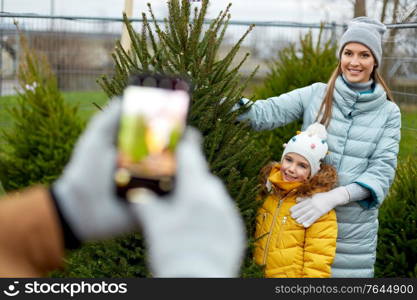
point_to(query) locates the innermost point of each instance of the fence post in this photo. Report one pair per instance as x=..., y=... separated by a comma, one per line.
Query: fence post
x=334, y=33
x=125, y=39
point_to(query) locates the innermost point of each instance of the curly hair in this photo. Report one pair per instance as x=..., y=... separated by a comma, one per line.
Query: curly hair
x=325, y=179
x=263, y=177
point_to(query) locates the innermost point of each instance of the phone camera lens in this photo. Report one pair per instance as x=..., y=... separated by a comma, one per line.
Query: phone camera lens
x=182, y=85
x=150, y=82
x=166, y=84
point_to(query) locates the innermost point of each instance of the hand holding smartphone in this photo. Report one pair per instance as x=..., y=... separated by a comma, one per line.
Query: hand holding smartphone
x=153, y=118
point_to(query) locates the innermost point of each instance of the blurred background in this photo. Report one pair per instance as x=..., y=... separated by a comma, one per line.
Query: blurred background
x=78, y=37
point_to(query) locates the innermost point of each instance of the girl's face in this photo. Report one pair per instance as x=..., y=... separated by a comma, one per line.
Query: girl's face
x=357, y=62
x=294, y=167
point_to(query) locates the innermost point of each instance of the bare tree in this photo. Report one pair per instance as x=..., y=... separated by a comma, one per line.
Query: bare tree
x=384, y=10
x=359, y=8
x=389, y=12
x=400, y=11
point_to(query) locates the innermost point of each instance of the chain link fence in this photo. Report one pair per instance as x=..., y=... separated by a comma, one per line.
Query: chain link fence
x=79, y=48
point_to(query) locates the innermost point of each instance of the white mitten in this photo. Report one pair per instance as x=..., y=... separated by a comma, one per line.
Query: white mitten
x=308, y=210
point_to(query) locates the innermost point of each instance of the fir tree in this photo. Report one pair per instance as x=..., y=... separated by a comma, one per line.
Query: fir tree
x=295, y=67
x=183, y=47
x=397, y=240
x=44, y=128
x=300, y=66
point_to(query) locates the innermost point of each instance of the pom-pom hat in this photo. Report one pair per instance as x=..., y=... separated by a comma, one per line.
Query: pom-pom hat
x=311, y=144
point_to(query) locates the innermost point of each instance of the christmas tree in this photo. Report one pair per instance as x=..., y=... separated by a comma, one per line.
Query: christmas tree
x=300, y=65
x=397, y=240
x=296, y=66
x=44, y=129
x=182, y=46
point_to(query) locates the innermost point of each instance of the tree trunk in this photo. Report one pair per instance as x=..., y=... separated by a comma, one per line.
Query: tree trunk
x=390, y=43
x=360, y=8
x=384, y=10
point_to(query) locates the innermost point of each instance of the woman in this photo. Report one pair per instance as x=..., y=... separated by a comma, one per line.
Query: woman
x=363, y=125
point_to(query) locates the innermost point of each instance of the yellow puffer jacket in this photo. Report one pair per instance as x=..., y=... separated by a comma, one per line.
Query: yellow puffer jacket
x=286, y=247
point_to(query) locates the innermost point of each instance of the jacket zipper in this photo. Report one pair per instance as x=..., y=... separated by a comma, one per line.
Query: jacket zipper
x=281, y=229
x=263, y=217
x=272, y=227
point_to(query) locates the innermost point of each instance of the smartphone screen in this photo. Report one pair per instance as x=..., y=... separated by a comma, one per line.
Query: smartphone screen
x=151, y=125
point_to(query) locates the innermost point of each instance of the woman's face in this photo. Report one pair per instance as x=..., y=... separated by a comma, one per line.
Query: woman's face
x=357, y=62
x=294, y=167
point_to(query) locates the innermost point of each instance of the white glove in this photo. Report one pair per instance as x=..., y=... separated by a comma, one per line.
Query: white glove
x=85, y=192
x=308, y=210
x=197, y=231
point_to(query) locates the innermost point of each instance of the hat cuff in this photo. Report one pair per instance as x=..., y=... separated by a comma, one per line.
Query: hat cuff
x=363, y=37
x=314, y=164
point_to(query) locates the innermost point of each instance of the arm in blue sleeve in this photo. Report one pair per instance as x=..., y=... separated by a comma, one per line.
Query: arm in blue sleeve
x=277, y=111
x=383, y=162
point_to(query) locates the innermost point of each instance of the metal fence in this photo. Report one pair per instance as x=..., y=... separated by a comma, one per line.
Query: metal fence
x=79, y=48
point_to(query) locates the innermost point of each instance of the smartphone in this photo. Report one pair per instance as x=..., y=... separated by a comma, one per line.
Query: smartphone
x=153, y=119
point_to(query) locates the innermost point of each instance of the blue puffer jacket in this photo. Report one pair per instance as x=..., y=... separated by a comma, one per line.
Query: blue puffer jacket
x=363, y=139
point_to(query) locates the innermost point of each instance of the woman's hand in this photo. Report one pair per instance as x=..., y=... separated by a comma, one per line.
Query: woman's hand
x=309, y=209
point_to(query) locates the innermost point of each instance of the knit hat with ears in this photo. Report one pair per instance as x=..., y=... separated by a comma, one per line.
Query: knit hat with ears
x=311, y=144
x=366, y=31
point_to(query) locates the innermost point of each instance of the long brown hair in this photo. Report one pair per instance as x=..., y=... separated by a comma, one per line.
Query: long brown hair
x=326, y=105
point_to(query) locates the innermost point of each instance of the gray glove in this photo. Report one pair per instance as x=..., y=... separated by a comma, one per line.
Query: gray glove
x=197, y=231
x=85, y=191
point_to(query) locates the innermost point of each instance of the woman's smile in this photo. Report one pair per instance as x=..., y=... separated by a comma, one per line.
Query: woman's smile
x=357, y=63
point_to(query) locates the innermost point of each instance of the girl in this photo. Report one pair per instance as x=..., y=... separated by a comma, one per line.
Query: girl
x=285, y=247
x=363, y=125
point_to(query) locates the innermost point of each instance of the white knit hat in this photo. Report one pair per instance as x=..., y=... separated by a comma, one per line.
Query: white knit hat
x=311, y=144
